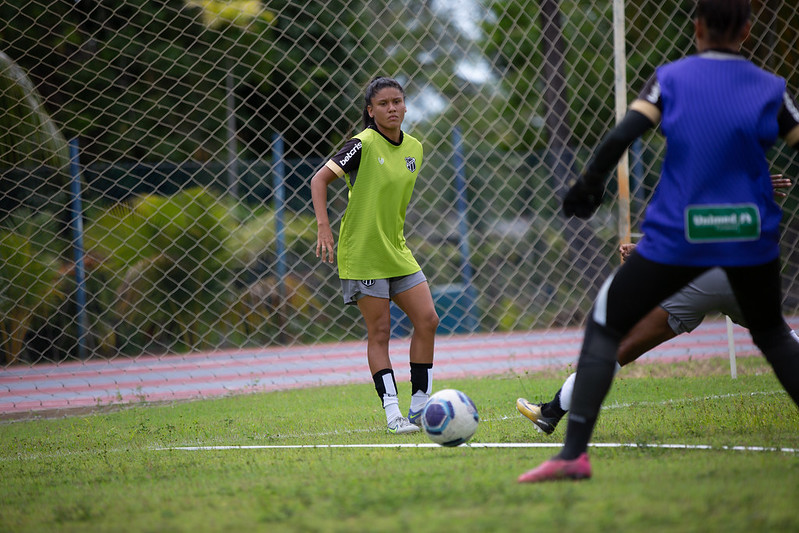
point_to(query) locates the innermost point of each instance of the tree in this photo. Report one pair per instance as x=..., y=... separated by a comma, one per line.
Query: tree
x=539, y=64
x=137, y=79
x=30, y=140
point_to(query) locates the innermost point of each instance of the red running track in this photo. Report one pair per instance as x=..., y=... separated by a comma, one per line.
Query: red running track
x=202, y=375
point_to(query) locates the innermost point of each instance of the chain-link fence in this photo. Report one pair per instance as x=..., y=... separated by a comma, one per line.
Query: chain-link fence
x=156, y=157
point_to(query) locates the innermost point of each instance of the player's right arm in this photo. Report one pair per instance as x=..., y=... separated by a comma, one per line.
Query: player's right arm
x=585, y=194
x=346, y=161
x=325, y=246
x=643, y=114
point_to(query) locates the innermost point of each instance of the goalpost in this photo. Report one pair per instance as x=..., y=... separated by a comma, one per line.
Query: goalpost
x=623, y=168
x=620, y=89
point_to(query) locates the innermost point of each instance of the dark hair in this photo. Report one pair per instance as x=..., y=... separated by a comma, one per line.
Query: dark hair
x=377, y=84
x=724, y=18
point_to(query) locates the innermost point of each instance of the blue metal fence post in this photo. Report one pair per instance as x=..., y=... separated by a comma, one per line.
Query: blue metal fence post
x=76, y=223
x=278, y=184
x=232, y=149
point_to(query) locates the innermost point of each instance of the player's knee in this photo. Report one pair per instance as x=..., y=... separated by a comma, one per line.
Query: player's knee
x=427, y=323
x=380, y=332
x=600, y=345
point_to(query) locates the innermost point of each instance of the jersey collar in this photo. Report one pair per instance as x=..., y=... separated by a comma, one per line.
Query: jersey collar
x=720, y=53
x=402, y=135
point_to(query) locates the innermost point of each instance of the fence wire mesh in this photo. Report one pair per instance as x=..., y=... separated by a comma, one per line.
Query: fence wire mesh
x=194, y=128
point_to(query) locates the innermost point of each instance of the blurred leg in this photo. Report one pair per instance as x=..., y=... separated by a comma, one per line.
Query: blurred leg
x=652, y=331
x=759, y=293
x=637, y=288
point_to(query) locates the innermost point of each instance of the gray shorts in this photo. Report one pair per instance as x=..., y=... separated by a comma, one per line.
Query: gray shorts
x=386, y=288
x=709, y=293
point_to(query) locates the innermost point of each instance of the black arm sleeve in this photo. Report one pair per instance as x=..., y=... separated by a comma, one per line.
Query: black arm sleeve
x=613, y=145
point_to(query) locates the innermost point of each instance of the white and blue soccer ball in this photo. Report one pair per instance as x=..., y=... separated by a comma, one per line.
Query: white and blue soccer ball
x=450, y=417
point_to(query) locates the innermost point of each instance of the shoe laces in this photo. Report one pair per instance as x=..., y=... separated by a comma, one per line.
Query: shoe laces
x=399, y=422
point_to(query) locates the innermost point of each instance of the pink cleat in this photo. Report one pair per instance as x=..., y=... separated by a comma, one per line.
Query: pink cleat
x=557, y=469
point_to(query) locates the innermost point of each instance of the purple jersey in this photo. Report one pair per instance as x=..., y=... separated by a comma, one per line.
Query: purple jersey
x=714, y=204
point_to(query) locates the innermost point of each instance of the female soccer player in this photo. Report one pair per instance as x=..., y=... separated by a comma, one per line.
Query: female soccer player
x=713, y=206
x=380, y=166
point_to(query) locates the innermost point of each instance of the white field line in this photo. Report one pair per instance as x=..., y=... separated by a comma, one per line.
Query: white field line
x=516, y=415
x=511, y=444
x=692, y=400
x=482, y=445
x=37, y=456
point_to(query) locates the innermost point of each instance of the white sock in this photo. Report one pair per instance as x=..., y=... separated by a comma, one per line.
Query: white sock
x=419, y=400
x=567, y=389
x=391, y=405
x=566, y=392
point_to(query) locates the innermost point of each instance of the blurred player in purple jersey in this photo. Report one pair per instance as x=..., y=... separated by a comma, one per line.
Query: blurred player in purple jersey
x=713, y=207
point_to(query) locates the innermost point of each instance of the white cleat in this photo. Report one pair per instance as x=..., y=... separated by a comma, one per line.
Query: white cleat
x=401, y=426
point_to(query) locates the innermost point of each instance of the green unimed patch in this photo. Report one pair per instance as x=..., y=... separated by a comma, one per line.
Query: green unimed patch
x=129, y=470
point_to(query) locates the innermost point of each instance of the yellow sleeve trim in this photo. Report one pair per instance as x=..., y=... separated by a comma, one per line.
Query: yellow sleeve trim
x=647, y=109
x=337, y=170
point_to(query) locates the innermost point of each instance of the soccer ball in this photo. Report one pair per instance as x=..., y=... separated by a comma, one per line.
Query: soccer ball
x=449, y=417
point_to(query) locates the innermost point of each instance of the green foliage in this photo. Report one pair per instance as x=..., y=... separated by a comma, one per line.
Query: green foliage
x=515, y=43
x=672, y=21
x=37, y=273
x=105, y=67
x=146, y=80
x=115, y=471
x=657, y=31
x=172, y=273
x=120, y=235
x=188, y=275
x=29, y=287
x=175, y=296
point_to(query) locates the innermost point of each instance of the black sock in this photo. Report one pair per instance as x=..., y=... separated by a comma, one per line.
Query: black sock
x=385, y=385
x=420, y=377
x=552, y=409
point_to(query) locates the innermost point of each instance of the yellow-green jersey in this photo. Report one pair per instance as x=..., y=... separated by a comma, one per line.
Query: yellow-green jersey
x=380, y=176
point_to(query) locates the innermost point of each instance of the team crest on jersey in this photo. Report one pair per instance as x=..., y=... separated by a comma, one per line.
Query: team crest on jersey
x=368, y=282
x=410, y=163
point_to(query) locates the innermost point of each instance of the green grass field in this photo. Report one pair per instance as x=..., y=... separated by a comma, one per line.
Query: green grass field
x=119, y=471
